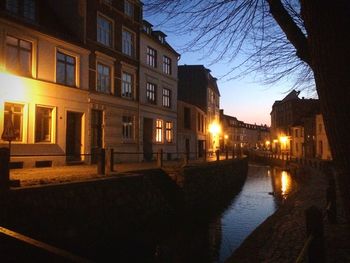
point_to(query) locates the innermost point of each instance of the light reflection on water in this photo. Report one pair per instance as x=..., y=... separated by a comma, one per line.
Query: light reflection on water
x=263, y=190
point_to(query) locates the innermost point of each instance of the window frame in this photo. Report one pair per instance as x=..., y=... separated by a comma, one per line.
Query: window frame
x=159, y=131
x=131, y=85
x=51, y=125
x=169, y=131
x=167, y=65
x=151, y=93
x=129, y=8
x=128, y=45
x=166, y=98
x=128, y=127
x=151, y=57
x=111, y=33
x=14, y=113
x=18, y=69
x=98, y=88
x=67, y=54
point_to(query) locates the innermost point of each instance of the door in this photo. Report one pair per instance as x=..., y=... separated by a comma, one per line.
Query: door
x=147, y=138
x=96, y=134
x=187, y=147
x=200, y=148
x=73, y=136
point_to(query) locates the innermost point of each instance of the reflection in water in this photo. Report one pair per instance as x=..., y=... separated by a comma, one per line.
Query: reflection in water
x=199, y=238
x=286, y=184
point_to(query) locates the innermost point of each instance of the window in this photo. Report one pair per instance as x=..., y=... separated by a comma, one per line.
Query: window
x=187, y=118
x=166, y=65
x=151, y=92
x=103, y=78
x=296, y=147
x=159, y=130
x=127, y=81
x=65, y=69
x=169, y=131
x=128, y=8
x=128, y=43
x=296, y=133
x=24, y=8
x=18, y=56
x=108, y=2
x=151, y=57
x=43, y=124
x=14, y=113
x=104, y=31
x=128, y=129
x=166, y=97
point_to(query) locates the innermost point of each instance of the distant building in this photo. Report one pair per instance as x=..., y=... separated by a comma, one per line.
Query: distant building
x=199, y=88
x=158, y=93
x=237, y=133
x=322, y=146
x=287, y=113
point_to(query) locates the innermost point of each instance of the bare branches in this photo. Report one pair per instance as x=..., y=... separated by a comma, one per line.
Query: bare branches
x=225, y=28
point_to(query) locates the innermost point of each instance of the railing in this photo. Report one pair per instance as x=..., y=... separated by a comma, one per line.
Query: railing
x=314, y=243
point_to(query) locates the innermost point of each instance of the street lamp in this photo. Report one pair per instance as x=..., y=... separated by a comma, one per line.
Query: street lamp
x=214, y=129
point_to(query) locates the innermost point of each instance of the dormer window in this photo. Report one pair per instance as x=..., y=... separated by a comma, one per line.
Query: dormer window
x=161, y=39
x=24, y=8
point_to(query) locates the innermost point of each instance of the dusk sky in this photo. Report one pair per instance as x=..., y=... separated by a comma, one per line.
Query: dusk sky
x=246, y=98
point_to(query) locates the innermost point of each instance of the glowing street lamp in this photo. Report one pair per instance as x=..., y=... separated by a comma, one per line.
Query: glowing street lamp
x=214, y=129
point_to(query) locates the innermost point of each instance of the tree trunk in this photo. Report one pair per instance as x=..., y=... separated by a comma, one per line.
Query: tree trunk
x=327, y=25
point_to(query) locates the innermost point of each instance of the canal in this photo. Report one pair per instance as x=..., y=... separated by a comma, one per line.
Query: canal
x=199, y=238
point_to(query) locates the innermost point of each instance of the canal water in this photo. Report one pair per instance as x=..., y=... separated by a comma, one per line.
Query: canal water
x=200, y=239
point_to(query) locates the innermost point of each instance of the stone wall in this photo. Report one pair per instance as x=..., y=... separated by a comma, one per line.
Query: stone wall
x=74, y=215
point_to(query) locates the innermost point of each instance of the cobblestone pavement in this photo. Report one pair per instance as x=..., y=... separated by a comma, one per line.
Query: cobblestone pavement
x=281, y=237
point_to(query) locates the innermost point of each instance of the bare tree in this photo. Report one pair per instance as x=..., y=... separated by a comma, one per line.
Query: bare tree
x=307, y=37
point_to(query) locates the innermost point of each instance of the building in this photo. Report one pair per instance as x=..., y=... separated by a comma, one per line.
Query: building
x=158, y=94
x=198, y=87
x=44, y=86
x=287, y=113
x=238, y=134
x=113, y=38
x=322, y=146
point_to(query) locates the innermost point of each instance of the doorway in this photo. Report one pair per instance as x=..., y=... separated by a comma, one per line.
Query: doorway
x=96, y=134
x=73, y=136
x=147, y=138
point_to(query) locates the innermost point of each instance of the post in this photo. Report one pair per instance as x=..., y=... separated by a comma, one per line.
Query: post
x=331, y=199
x=110, y=160
x=4, y=168
x=314, y=227
x=217, y=152
x=101, y=162
x=160, y=158
x=226, y=154
x=187, y=157
x=205, y=155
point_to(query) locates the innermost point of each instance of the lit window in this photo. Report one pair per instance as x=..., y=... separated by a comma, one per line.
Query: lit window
x=169, y=131
x=128, y=129
x=128, y=8
x=65, y=69
x=128, y=43
x=151, y=92
x=159, y=130
x=14, y=112
x=166, y=65
x=43, y=124
x=18, y=56
x=166, y=98
x=103, y=78
x=127, y=85
x=104, y=31
x=151, y=57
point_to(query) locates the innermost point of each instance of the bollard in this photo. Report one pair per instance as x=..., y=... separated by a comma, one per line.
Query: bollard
x=314, y=227
x=4, y=168
x=217, y=152
x=160, y=158
x=110, y=160
x=226, y=154
x=205, y=155
x=331, y=199
x=233, y=152
x=101, y=162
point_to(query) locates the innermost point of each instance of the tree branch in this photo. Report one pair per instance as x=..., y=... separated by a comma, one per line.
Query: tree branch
x=292, y=31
